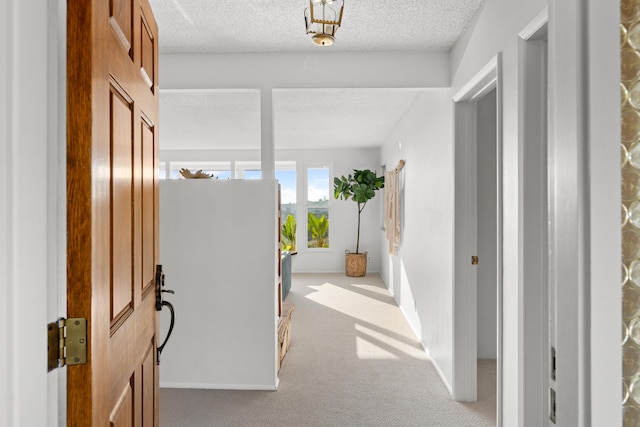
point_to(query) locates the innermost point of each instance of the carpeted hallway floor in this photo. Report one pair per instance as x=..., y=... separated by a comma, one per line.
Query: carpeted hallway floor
x=353, y=361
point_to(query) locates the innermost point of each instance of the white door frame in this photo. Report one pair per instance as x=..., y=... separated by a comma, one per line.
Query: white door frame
x=28, y=223
x=533, y=304
x=465, y=377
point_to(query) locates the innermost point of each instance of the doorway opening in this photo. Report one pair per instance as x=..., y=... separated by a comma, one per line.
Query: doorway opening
x=477, y=322
x=487, y=244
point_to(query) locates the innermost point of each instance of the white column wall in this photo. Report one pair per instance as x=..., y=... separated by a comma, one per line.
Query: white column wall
x=218, y=249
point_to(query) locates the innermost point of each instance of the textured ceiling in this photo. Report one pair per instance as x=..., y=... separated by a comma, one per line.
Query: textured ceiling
x=206, y=119
x=197, y=26
x=223, y=119
x=303, y=118
x=338, y=117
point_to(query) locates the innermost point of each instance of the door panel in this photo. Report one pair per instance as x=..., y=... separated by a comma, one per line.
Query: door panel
x=147, y=52
x=148, y=206
x=113, y=210
x=121, y=21
x=122, y=414
x=148, y=387
x=121, y=180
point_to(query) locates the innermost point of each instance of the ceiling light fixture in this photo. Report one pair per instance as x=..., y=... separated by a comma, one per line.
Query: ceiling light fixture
x=323, y=18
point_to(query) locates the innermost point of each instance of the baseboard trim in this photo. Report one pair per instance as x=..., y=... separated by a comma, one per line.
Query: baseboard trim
x=411, y=325
x=442, y=377
x=425, y=348
x=208, y=386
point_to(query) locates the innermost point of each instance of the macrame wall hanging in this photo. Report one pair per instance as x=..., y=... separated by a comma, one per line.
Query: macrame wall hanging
x=392, y=206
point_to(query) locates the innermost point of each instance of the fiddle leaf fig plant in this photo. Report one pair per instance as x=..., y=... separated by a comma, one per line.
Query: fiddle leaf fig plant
x=361, y=186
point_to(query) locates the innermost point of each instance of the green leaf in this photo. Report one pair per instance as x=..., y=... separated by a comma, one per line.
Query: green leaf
x=319, y=229
x=288, y=232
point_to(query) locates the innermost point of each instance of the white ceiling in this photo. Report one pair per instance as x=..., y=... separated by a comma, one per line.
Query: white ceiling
x=346, y=117
x=207, y=119
x=357, y=117
x=196, y=26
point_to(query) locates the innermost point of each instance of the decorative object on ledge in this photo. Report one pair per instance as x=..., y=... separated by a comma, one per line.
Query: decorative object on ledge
x=187, y=174
x=323, y=18
x=392, y=206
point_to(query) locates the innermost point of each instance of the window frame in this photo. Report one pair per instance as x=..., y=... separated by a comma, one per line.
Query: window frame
x=242, y=166
x=162, y=169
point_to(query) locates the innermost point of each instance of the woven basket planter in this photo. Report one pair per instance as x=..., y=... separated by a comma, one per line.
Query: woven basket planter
x=355, y=264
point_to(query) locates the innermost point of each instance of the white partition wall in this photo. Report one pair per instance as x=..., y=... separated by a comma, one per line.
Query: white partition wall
x=218, y=247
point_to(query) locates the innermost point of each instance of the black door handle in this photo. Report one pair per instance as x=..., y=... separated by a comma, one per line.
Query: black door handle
x=173, y=319
x=160, y=303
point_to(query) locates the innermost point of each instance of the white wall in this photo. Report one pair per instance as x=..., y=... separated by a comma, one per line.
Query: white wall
x=218, y=250
x=343, y=221
x=420, y=274
x=26, y=224
x=304, y=70
x=487, y=282
x=603, y=119
x=587, y=191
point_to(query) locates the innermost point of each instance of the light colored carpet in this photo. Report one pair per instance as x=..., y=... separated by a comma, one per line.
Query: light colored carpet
x=353, y=361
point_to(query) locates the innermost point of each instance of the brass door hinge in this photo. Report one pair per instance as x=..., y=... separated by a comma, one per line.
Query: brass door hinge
x=474, y=260
x=67, y=343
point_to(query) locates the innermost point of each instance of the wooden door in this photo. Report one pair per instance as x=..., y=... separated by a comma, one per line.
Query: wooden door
x=112, y=202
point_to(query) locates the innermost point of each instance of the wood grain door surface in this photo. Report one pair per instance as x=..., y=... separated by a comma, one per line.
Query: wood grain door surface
x=112, y=202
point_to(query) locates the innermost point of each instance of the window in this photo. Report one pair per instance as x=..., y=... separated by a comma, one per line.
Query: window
x=318, y=207
x=286, y=176
x=162, y=170
x=248, y=170
x=252, y=174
